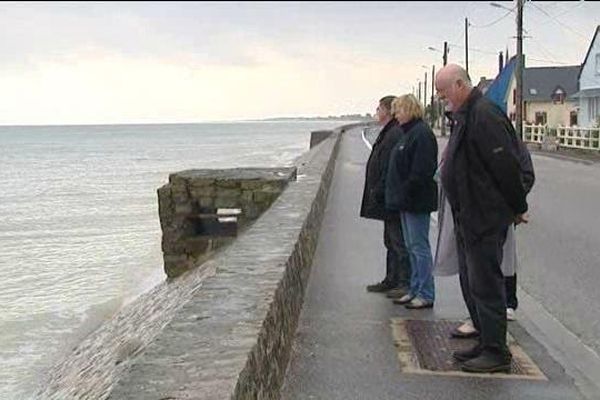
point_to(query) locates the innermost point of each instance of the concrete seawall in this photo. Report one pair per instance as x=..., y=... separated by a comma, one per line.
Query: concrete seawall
x=223, y=330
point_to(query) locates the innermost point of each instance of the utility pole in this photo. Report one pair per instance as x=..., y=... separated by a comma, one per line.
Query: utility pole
x=467, y=45
x=432, y=92
x=519, y=69
x=445, y=61
x=425, y=91
x=419, y=91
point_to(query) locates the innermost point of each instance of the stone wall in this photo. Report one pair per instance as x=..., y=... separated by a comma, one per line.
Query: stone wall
x=220, y=331
x=317, y=137
x=232, y=340
x=189, y=207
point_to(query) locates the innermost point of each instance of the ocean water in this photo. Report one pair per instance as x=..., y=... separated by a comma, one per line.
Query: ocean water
x=79, y=228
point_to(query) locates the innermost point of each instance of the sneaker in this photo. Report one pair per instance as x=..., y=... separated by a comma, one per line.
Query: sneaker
x=469, y=354
x=407, y=298
x=397, y=293
x=465, y=331
x=380, y=287
x=418, y=303
x=510, y=314
x=488, y=362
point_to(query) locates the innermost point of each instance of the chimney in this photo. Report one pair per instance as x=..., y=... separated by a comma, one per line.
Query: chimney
x=500, y=62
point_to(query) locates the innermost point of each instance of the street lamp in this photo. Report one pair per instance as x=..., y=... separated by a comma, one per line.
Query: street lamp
x=500, y=6
x=444, y=53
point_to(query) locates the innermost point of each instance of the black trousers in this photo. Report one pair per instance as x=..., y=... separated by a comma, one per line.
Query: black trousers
x=397, y=262
x=510, y=285
x=482, y=285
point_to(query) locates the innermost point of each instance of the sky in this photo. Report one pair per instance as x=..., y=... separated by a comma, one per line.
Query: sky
x=169, y=62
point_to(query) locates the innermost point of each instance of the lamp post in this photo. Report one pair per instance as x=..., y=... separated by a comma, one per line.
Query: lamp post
x=445, y=52
x=440, y=110
x=425, y=87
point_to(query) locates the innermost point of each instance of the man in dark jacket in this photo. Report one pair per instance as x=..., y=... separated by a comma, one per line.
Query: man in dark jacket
x=397, y=279
x=482, y=181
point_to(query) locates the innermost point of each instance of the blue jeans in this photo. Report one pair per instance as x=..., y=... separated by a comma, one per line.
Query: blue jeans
x=415, y=228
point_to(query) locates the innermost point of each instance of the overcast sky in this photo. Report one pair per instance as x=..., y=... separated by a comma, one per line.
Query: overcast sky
x=65, y=63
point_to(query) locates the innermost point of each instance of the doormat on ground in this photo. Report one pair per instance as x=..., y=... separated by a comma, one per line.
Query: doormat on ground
x=425, y=347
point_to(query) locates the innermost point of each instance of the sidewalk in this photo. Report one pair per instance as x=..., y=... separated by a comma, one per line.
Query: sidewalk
x=344, y=348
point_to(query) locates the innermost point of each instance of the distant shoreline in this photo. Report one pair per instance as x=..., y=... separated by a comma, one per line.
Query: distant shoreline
x=282, y=119
x=349, y=118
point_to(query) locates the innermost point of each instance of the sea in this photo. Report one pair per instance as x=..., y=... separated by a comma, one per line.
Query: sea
x=79, y=228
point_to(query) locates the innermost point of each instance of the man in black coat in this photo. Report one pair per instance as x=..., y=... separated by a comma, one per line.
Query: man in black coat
x=397, y=278
x=482, y=181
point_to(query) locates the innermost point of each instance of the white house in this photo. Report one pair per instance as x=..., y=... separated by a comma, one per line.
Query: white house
x=548, y=96
x=589, y=85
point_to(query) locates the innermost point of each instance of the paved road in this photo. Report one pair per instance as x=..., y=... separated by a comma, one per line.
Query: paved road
x=559, y=250
x=344, y=348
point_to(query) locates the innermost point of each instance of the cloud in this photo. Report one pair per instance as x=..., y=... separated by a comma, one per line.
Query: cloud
x=170, y=61
x=119, y=89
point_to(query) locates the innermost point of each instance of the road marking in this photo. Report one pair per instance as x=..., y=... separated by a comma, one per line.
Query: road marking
x=369, y=145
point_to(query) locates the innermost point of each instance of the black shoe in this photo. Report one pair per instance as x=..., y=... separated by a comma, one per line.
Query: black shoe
x=380, y=287
x=488, y=362
x=456, y=334
x=397, y=293
x=466, y=355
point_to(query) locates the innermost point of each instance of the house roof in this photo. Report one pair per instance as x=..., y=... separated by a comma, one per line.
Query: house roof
x=540, y=83
x=497, y=91
x=589, y=51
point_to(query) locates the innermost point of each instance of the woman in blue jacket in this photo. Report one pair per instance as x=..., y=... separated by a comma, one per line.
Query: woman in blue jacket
x=412, y=192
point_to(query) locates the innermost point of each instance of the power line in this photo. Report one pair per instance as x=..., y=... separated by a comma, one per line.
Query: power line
x=544, y=50
x=558, y=22
x=579, y=4
x=495, y=53
x=493, y=22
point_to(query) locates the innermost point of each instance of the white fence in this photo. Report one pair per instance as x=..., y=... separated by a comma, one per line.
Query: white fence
x=578, y=138
x=534, y=133
x=572, y=137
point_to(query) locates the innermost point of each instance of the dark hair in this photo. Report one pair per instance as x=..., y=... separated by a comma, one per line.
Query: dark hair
x=387, y=102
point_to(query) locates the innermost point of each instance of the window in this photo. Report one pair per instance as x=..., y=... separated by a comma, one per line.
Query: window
x=533, y=91
x=540, y=118
x=514, y=96
x=573, y=118
x=558, y=97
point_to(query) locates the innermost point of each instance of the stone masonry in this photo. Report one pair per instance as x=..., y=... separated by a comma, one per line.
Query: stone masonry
x=220, y=331
x=188, y=207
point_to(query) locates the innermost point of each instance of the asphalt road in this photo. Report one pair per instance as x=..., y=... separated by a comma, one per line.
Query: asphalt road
x=559, y=250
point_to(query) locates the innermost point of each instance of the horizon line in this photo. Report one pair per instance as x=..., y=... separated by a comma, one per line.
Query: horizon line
x=267, y=119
